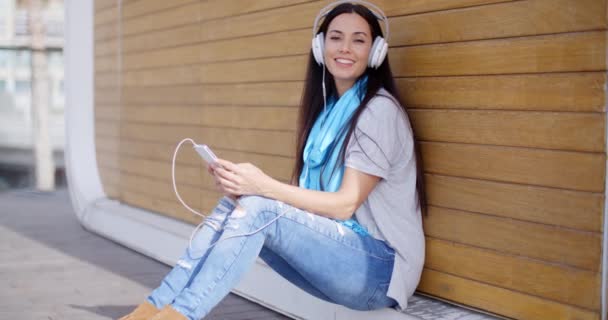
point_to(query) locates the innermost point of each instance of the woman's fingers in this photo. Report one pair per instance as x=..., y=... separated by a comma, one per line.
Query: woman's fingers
x=228, y=175
x=227, y=165
x=228, y=186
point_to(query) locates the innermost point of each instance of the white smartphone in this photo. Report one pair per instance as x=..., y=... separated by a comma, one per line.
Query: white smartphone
x=205, y=152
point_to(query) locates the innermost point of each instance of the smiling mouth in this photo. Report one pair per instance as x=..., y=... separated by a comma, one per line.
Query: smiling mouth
x=344, y=62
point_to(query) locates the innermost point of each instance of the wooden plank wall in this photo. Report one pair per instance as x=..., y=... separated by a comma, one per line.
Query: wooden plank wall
x=507, y=97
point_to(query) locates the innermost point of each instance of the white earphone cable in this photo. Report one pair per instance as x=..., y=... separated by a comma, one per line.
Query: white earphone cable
x=202, y=215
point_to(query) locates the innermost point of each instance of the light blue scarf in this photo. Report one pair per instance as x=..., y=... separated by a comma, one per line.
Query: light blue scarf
x=322, y=150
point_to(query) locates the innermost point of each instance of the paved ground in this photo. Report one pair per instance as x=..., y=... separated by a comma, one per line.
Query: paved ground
x=51, y=268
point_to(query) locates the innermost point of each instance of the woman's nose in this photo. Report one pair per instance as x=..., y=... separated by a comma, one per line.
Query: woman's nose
x=345, y=46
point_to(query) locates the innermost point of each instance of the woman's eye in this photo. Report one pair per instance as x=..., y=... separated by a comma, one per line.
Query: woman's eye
x=359, y=40
x=334, y=38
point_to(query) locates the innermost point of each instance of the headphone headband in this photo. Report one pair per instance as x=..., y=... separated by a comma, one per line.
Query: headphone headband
x=375, y=10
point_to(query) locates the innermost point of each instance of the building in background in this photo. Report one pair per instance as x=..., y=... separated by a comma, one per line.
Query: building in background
x=16, y=123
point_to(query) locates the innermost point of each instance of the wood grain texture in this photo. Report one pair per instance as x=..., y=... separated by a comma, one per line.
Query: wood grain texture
x=567, y=170
x=139, y=8
x=162, y=38
x=544, y=242
x=500, y=20
x=571, y=209
x=553, y=282
x=185, y=175
x=106, y=47
x=545, y=130
x=261, y=70
x=584, y=51
x=174, y=56
x=179, y=95
x=502, y=301
x=276, y=142
x=397, y=8
x=164, y=19
x=259, y=94
x=582, y=91
x=106, y=15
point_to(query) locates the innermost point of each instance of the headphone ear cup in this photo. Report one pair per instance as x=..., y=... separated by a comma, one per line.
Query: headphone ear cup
x=377, y=52
x=373, y=53
x=383, y=50
x=318, y=48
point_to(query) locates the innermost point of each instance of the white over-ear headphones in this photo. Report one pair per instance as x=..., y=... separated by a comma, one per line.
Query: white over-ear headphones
x=379, y=47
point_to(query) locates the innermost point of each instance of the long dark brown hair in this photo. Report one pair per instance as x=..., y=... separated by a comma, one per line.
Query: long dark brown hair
x=312, y=97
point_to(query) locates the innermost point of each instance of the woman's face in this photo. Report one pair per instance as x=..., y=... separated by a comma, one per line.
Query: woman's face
x=347, y=45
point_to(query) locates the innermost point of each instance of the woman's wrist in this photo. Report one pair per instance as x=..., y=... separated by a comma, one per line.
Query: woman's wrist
x=269, y=188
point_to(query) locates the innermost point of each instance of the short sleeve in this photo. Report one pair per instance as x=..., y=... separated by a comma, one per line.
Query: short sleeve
x=378, y=137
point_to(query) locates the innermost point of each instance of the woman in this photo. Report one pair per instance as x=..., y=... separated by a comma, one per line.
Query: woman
x=350, y=231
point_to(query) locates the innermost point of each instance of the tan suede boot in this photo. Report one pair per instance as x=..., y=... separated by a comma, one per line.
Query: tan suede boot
x=143, y=311
x=168, y=313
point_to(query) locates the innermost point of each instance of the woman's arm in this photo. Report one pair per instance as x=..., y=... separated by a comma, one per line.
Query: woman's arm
x=247, y=179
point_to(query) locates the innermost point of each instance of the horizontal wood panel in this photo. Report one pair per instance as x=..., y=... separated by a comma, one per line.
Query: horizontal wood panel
x=567, y=285
x=175, y=56
x=302, y=16
x=213, y=9
x=273, y=69
x=484, y=22
x=269, y=118
x=262, y=94
x=107, y=47
x=138, y=8
x=554, y=53
x=244, y=94
x=178, y=36
x=179, y=95
x=101, y=5
x=109, y=80
x=161, y=189
x=107, y=113
x=105, y=64
x=275, y=142
x=107, y=144
x=277, y=167
x=107, y=128
x=106, y=31
x=181, y=75
x=106, y=15
x=582, y=91
x=153, y=150
x=164, y=19
x=108, y=160
x=267, y=21
x=161, y=133
x=583, y=51
x=107, y=96
x=160, y=171
x=548, y=243
x=395, y=8
x=568, y=170
x=498, y=21
x=549, y=130
x=174, y=114
x=293, y=42
x=572, y=209
x=497, y=300
x=172, y=209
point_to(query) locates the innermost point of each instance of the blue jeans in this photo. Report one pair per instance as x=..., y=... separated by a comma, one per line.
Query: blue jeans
x=317, y=254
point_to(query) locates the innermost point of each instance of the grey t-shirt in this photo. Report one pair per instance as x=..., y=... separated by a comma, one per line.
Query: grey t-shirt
x=382, y=145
